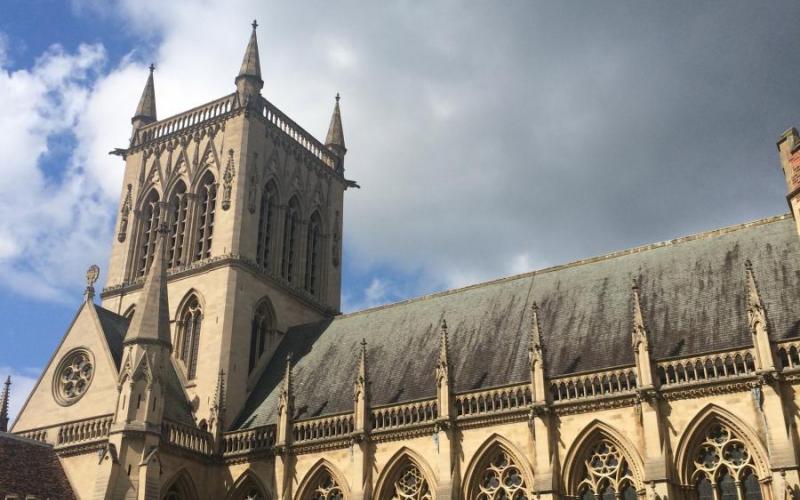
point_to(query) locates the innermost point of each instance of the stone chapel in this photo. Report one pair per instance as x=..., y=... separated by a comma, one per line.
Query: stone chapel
x=217, y=364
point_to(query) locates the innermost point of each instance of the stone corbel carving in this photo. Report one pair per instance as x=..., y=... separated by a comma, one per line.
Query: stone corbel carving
x=227, y=181
x=124, y=212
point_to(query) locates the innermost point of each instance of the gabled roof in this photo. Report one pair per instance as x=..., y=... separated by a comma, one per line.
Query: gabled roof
x=31, y=469
x=693, y=294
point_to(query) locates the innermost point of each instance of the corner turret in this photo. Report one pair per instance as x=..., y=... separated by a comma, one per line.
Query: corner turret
x=146, y=110
x=249, y=82
x=334, y=141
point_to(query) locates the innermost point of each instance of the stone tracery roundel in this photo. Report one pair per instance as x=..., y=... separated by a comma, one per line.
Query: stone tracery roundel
x=73, y=376
x=327, y=488
x=500, y=478
x=410, y=484
x=723, y=464
x=607, y=474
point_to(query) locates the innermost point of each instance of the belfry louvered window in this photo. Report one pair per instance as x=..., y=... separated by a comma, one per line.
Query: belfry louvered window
x=291, y=227
x=151, y=211
x=313, y=248
x=206, y=206
x=188, y=338
x=178, y=205
x=266, y=224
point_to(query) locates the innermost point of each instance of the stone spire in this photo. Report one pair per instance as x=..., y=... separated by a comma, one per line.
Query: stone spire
x=335, y=138
x=218, y=410
x=536, y=358
x=443, y=373
x=151, y=322
x=285, y=406
x=4, y=405
x=146, y=110
x=360, y=396
x=757, y=321
x=249, y=82
x=641, y=346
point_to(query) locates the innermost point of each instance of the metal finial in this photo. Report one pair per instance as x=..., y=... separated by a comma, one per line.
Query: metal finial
x=364, y=343
x=152, y=68
x=92, y=274
x=337, y=97
x=254, y=25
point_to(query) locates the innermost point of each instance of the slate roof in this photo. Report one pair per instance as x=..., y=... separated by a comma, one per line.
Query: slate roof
x=31, y=469
x=114, y=329
x=693, y=293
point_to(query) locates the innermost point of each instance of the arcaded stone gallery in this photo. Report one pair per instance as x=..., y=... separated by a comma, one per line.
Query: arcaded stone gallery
x=218, y=365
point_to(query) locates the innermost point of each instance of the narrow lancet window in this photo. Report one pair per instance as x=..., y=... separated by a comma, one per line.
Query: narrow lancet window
x=151, y=211
x=178, y=205
x=313, y=248
x=261, y=333
x=206, y=206
x=266, y=224
x=290, y=233
x=188, y=338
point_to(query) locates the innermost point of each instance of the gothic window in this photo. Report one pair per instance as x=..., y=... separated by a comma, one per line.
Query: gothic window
x=606, y=474
x=266, y=224
x=247, y=490
x=73, y=376
x=261, y=333
x=181, y=489
x=188, y=336
x=178, y=206
x=291, y=229
x=409, y=484
x=723, y=467
x=324, y=487
x=151, y=210
x=313, y=249
x=499, y=477
x=206, y=206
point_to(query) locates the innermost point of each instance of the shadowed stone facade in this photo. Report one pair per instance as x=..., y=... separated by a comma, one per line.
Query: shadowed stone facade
x=219, y=366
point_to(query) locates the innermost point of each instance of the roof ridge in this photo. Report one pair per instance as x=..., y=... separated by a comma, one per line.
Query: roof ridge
x=580, y=262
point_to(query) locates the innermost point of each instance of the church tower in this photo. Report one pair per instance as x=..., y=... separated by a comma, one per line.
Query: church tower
x=252, y=206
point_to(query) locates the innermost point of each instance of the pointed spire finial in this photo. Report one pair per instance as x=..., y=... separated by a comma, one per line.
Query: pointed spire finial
x=536, y=333
x=249, y=82
x=639, y=330
x=4, y=397
x=146, y=110
x=444, y=355
x=151, y=321
x=335, y=138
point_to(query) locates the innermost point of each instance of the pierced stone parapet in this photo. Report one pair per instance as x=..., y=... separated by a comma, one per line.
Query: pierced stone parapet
x=297, y=133
x=595, y=384
x=82, y=431
x=395, y=416
x=248, y=441
x=789, y=354
x=182, y=121
x=705, y=367
x=493, y=400
x=336, y=426
x=187, y=437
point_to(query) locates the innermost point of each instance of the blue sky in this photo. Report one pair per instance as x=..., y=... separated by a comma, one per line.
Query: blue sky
x=488, y=140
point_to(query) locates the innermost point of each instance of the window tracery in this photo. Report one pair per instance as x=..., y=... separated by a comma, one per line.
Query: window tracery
x=179, y=206
x=248, y=490
x=266, y=224
x=313, y=248
x=206, y=208
x=326, y=488
x=291, y=228
x=606, y=474
x=500, y=478
x=723, y=467
x=73, y=376
x=151, y=212
x=410, y=484
x=261, y=333
x=188, y=338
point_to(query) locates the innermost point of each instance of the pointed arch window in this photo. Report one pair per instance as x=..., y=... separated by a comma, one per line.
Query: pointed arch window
x=606, y=474
x=261, y=333
x=409, y=483
x=188, y=338
x=248, y=490
x=178, y=206
x=313, y=249
x=499, y=477
x=325, y=487
x=206, y=207
x=291, y=229
x=151, y=211
x=266, y=224
x=723, y=467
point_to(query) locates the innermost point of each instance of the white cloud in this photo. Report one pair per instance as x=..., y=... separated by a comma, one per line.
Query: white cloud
x=22, y=382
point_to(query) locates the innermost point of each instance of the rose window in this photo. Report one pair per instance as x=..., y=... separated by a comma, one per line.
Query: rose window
x=606, y=474
x=73, y=377
x=501, y=479
x=723, y=467
x=327, y=488
x=411, y=485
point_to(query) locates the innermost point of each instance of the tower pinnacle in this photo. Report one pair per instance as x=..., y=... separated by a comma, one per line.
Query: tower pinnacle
x=249, y=82
x=146, y=110
x=4, y=405
x=151, y=322
x=335, y=138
